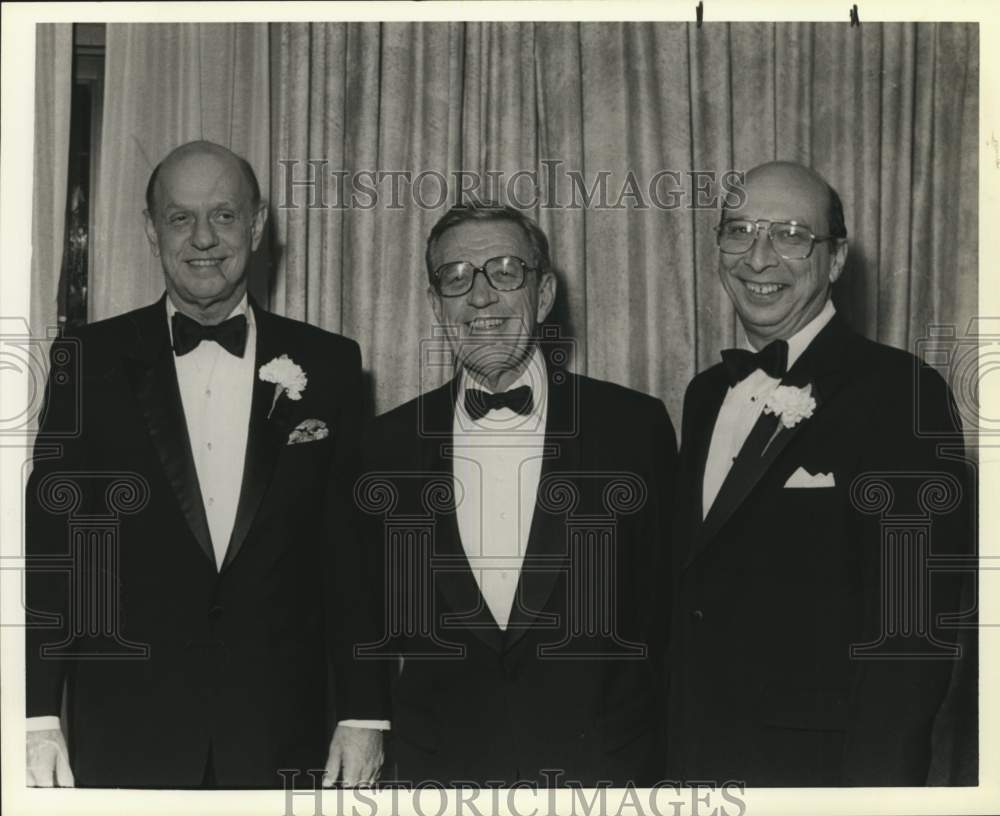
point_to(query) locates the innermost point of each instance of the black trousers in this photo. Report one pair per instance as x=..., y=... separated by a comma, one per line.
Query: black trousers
x=208, y=780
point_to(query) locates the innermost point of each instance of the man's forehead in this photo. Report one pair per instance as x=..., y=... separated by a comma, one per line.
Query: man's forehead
x=201, y=177
x=771, y=199
x=476, y=236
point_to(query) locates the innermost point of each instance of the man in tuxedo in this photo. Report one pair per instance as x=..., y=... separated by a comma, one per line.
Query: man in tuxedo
x=193, y=641
x=819, y=473
x=521, y=511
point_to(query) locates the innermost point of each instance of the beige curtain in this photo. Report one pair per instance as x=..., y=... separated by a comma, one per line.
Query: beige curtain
x=53, y=90
x=166, y=84
x=888, y=113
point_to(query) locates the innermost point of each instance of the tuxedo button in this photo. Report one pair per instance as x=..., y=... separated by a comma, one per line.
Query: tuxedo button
x=215, y=612
x=697, y=615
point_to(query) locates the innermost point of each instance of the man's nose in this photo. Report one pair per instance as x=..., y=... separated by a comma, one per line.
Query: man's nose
x=482, y=294
x=762, y=255
x=204, y=236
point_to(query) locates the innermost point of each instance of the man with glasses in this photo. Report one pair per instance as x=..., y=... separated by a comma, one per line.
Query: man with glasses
x=807, y=643
x=525, y=624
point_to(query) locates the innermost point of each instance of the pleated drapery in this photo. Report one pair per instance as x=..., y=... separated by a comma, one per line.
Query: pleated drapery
x=887, y=112
x=53, y=90
x=166, y=84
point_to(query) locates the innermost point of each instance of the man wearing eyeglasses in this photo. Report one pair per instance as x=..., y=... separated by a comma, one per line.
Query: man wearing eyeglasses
x=547, y=493
x=807, y=647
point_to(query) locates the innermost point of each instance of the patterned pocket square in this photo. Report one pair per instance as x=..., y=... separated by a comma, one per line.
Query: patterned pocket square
x=803, y=478
x=308, y=430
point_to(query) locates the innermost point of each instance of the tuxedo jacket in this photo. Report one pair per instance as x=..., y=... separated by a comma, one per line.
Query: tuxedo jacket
x=777, y=584
x=164, y=656
x=569, y=686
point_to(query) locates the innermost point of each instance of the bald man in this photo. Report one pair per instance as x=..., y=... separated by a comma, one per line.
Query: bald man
x=807, y=645
x=194, y=640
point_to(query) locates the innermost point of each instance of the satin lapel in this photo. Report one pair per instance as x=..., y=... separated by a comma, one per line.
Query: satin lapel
x=747, y=470
x=149, y=368
x=547, y=552
x=694, y=453
x=451, y=571
x=709, y=413
x=822, y=367
x=265, y=437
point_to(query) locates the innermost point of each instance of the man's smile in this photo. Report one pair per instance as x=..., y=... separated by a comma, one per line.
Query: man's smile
x=763, y=290
x=486, y=323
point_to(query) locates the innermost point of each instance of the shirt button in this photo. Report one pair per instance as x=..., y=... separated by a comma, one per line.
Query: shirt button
x=208, y=445
x=503, y=515
x=211, y=500
x=208, y=392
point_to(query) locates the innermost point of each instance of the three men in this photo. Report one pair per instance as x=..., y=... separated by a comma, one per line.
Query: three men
x=219, y=438
x=807, y=643
x=516, y=540
x=522, y=513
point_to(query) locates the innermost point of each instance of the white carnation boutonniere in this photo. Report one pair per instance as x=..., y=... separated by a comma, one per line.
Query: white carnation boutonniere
x=287, y=376
x=790, y=404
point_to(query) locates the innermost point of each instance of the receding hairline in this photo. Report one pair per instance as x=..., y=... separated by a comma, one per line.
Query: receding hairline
x=203, y=148
x=830, y=204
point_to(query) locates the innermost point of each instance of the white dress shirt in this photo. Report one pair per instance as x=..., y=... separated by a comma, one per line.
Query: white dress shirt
x=216, y=393
x=497, y=465
x=216, y=396
x=742, y=407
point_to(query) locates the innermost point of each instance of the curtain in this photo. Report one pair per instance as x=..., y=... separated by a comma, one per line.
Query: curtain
x=888, y=113
x=53, y=90
x=166, y=84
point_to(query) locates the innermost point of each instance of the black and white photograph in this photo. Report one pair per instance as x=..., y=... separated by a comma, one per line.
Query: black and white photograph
x=499, y=408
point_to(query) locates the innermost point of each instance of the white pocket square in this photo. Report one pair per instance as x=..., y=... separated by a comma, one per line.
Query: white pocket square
x=803, y=478
x=308, y=430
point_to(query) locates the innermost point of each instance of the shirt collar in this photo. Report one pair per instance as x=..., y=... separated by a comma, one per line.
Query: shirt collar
x=535, y=375
x=800, y=341
x=243, y=307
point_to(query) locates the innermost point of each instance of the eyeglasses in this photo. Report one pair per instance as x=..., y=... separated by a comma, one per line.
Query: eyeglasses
x=792, y=241
x=505, y=274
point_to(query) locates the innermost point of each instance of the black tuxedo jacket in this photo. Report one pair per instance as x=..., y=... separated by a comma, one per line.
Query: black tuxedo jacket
x=777, y=583
x=163, y=654
x=569, y=686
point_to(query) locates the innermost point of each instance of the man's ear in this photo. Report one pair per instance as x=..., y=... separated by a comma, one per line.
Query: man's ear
x=259, y=222
x=837, y=259
x=151, y=236
x=546, y=295
x=434, y=299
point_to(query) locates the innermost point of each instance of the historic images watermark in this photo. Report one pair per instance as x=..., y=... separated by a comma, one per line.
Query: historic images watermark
x=92, y=502
x=555, y=796
x=588, y=508
x=314, y=184
x=906, y=503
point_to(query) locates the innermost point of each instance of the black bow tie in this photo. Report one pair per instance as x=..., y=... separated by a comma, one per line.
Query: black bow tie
x=230, y=334
x=772, y=360
x=479, y=403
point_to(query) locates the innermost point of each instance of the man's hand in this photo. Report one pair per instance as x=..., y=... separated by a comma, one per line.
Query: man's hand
x=48, y=760
x=355, y=756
